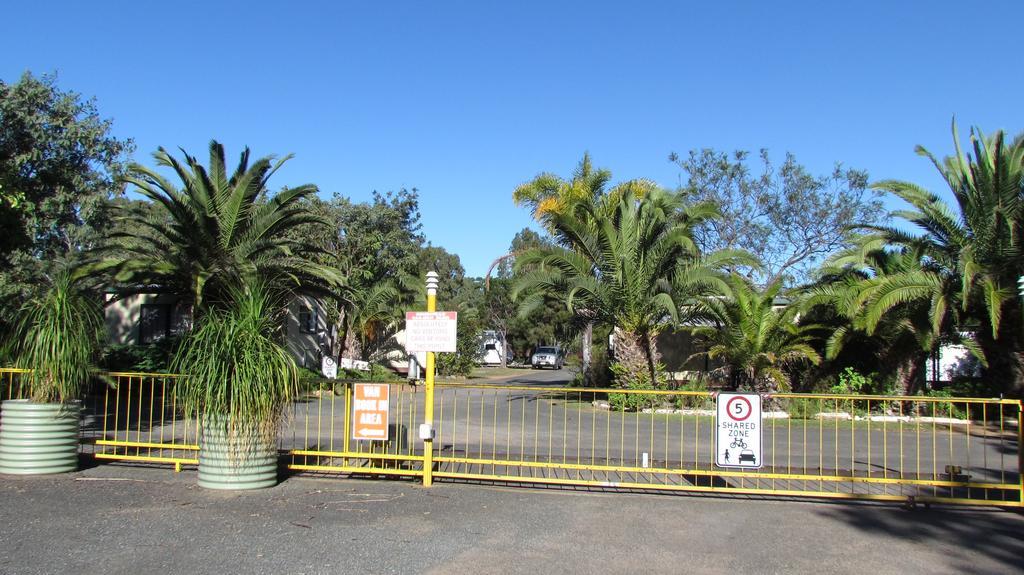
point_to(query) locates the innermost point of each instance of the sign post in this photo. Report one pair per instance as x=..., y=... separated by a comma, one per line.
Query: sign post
x=738, y=436
x=428, y=408
x=431, y=331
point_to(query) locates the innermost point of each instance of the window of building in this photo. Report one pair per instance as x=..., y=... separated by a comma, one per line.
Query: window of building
x=307, y=319
x=154, y=323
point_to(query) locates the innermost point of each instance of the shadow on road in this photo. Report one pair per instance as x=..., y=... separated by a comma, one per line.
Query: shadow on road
x=992, y=532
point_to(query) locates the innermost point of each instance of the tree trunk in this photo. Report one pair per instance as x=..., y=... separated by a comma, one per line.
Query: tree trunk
x=637, y=356
x=908, y=374
x=342, y=339
x=588, y=336
x=504, y=348
x=1004, y=356
x=649, y=345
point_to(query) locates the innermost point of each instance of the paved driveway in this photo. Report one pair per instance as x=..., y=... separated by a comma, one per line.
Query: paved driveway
x=112, y=519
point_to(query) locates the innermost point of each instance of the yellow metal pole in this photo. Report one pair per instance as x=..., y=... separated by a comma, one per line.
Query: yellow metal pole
x=428, y=408
x=1020, y=450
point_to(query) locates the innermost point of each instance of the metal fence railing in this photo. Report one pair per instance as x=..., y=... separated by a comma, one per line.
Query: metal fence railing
x=961, y=450
x=317, y=433
x=899, y=448
x=137, y=419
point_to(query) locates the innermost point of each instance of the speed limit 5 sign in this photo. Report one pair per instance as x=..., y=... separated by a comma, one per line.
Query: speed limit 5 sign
x=738, y=436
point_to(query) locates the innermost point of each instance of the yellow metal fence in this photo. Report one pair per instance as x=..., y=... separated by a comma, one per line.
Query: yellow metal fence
x=954, y=450
x=134, y=418
x=317, y=434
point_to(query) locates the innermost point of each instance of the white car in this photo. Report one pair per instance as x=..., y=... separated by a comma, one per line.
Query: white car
x=548, y=356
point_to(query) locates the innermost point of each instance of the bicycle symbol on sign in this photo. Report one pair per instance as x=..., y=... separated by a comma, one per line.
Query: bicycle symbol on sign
x=738, y=442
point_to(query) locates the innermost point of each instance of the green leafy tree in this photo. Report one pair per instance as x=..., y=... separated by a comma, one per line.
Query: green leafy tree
x=216, y=231
x=59, y=167
x=756, y=336
x=452, y=287
x=375, y=246
x=970, y=254
x=790, y=219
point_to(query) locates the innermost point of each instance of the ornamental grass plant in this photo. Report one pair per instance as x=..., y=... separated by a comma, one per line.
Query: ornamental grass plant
x=57, y=336
x=239, y=377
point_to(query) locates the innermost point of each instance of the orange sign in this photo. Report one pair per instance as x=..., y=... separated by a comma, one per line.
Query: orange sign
x=370, y=408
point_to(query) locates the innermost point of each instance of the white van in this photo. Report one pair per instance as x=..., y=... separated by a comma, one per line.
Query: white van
x=490, y=353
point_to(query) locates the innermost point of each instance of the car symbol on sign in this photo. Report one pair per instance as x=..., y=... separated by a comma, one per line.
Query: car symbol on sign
x=748, y=455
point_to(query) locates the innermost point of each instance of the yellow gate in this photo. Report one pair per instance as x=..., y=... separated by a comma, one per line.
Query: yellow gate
x=928, y=449
x=894, y=448
x=317, y=436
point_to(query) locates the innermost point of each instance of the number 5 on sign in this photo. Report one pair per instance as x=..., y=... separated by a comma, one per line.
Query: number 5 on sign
x=738, y=430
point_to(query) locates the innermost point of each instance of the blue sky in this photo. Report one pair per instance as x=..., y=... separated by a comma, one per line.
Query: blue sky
x=465, y=100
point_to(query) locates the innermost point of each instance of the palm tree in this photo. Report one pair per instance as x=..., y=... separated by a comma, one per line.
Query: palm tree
x=548, y=196
x=757, y=339
x=847, y=285
x=215, y=231
x=371, y=313
x=628, y=261
x=970, y=255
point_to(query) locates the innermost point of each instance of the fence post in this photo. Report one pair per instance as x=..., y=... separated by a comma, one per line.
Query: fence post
x=428, y=408
x=1020, y=450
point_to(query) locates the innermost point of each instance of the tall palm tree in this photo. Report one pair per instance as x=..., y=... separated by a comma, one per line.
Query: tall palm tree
x=215, y=230
x=757, y=339
x=626, y=261
x=971, y=255
x=551, y=197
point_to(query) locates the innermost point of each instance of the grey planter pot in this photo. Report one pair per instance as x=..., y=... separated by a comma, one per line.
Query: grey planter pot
x=38, y=438
x=248, y=464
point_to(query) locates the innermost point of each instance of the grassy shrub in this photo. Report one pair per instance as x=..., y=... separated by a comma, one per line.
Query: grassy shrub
x=237, y=371
x=600, y=375
x=694, y=401
x=152, y=358
x=943, y=408
x=57, y=335
x=641, y=381
x=801, y=407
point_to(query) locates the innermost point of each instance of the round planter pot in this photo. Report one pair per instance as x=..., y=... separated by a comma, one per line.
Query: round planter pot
x=235, y=461
x=38, y=438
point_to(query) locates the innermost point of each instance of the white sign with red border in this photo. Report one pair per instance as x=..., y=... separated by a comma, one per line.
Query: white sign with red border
x=738, y=439
x=430, y=331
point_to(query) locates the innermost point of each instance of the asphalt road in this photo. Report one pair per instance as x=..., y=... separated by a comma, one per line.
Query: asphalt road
x=110, y=520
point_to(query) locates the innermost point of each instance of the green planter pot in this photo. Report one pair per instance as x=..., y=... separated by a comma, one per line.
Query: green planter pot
x=38, y=438
x=224, y=466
